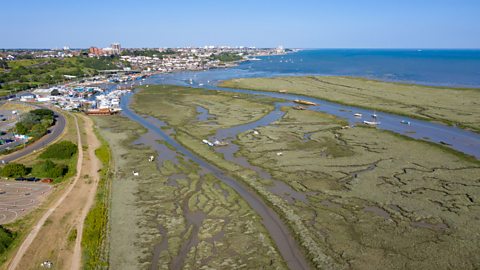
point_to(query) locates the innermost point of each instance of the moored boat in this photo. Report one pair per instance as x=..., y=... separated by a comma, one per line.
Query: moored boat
x=371, y=123
x=305, y=102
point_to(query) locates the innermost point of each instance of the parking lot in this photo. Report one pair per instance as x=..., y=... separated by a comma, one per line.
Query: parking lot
x=19, y=198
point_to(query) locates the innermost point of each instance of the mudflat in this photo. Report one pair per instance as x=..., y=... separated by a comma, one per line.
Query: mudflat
x=171, y=214
x=363, y=197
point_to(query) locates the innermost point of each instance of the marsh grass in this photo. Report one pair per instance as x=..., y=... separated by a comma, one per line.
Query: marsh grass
x=452, y=106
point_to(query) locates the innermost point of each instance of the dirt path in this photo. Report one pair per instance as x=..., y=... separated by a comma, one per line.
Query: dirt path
x=57, y=235
x=93, y=169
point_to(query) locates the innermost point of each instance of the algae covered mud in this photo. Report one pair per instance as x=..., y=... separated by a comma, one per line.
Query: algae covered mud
x=356, y=198
x=188, y=213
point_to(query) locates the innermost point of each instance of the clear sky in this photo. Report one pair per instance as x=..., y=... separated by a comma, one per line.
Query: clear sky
x=261, y=23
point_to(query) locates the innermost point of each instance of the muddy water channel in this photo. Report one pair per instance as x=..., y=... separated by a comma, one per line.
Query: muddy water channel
x=450, y=136
x=229, y=152
x=278, y=231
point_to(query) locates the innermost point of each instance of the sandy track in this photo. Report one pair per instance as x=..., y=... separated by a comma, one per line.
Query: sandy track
x=93, y=169
x=33, y=234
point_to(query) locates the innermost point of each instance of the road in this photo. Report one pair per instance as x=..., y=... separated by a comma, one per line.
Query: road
x=33, y=233
x=53, y=133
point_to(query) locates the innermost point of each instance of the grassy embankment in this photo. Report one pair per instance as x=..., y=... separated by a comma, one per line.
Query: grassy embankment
x=22, y=226
x=173, y=215
x=453, y=106
x=375, y=199
x=95, y=233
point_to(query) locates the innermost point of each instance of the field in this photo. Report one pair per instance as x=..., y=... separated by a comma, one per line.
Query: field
x=173, y=215
x=449, y=105
x=365, y=198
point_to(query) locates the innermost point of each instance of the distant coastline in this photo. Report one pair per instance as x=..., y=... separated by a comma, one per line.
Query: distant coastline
x=458, y=68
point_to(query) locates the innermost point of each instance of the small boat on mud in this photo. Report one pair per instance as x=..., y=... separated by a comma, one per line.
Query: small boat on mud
x=305, y=102
x=300, y=108
x=220, y=143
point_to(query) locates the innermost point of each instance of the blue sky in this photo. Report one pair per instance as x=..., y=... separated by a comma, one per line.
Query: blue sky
x=261, y=23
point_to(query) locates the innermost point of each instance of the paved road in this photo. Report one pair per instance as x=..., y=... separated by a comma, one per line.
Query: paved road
x=53, y=133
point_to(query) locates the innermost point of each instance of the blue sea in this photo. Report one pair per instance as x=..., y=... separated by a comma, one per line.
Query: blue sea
x=460, y=68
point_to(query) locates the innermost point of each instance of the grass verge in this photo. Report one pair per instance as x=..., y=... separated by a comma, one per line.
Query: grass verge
x=94, y=241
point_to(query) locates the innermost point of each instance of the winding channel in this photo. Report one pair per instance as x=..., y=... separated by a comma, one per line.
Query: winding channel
x=464, y=141
x=278, y=231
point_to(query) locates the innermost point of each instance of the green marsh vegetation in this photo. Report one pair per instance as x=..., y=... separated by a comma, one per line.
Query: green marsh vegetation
x=375, y=200
x=173, y=215
x=454, y=106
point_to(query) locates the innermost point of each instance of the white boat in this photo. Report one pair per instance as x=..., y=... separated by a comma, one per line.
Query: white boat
x=371, y=123
x=374, y=115
x=207, y=142
x=358, y=115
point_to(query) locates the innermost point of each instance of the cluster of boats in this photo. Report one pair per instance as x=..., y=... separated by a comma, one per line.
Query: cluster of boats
x=375, y=121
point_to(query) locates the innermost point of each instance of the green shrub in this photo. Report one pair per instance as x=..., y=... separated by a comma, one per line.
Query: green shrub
x=49, y=169
x=35, y=123
x=61, y=150
x=14, y=170
x=44, y=113
x=6, y=239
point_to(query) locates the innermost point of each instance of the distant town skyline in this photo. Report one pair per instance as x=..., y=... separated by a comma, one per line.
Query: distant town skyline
x=301, y=24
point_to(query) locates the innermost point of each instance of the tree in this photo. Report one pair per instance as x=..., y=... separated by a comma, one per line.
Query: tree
x=42, y=112
x=38, y=130
x=55, y=92
x=14, y=170
x=21, y=128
